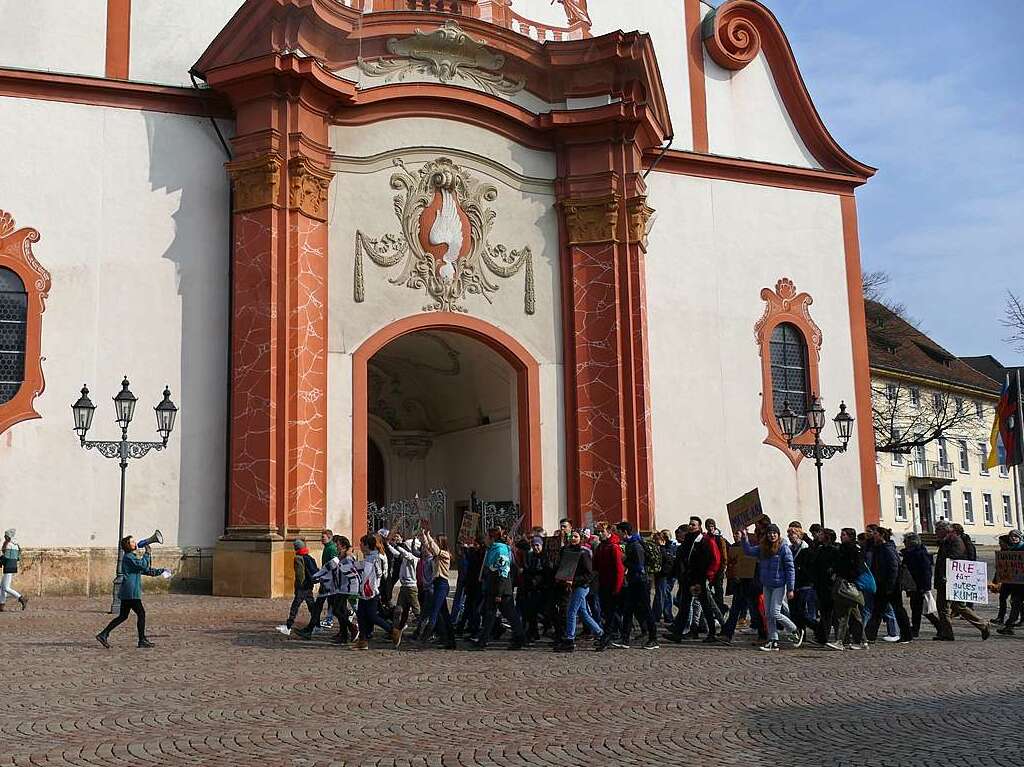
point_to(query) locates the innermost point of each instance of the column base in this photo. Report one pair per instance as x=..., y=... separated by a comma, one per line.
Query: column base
x=260, y=567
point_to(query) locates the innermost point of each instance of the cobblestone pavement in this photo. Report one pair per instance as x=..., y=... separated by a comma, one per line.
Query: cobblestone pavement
x=222, y=687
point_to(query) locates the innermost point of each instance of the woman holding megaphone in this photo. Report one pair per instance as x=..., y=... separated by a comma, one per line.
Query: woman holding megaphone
x=133, y=567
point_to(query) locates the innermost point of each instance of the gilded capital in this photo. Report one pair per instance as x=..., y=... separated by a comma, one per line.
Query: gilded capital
x=640, y=214
x=255, y=181
x=591, y=220
x=307, y=187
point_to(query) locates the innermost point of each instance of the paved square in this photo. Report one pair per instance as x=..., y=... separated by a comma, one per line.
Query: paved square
x=222, y=687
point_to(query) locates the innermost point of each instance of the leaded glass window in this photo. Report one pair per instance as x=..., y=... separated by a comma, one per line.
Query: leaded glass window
x=13, y=322
x=789, y=369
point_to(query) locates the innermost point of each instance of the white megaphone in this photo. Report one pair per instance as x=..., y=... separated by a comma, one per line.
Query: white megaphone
x=156, y=537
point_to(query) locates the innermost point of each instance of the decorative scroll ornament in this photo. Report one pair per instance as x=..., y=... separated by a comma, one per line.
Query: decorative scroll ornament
x=448, y=54
x=444, y=247
x=731, y=35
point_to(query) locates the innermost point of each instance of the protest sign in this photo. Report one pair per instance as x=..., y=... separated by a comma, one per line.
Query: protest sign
x=552, y=548
x=1010, y=567
x=741, y=564
x=567, y=566
x=966, y=581
x=745, y=510
x=470, y=526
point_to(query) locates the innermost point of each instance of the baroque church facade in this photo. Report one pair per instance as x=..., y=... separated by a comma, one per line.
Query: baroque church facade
x=568, y=258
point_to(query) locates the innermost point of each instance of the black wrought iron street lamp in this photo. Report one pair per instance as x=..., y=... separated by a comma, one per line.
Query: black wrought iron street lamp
x=793, y=424
x=123, y=449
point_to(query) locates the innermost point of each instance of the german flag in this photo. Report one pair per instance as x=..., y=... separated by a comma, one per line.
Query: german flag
x=1006, y=428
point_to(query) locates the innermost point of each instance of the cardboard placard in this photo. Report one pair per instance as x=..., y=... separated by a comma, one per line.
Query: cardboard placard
x=741, y=564
x=567, y=565
x=1010, y=567
x=745, y=510
x=552, y=549
x=470, y=527
x=966, y=581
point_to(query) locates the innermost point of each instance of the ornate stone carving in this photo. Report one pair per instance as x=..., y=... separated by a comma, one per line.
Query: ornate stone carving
x=592, y=220
x=307, y=187
x=444, y=247
x=731, y=34
x=448, y=54
x=641, y=217
x=16, y=256
x=255, y=181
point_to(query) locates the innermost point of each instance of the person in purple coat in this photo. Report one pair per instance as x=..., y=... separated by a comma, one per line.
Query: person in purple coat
x=778, y=579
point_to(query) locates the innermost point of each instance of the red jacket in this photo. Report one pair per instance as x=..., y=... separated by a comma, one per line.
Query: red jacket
x=716, y=556
x=608, y=564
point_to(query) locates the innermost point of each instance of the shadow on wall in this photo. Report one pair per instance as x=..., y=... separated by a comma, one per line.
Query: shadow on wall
x=187, y=158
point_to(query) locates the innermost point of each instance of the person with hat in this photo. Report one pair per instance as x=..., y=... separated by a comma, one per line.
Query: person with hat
x=305, y=567
x=778, y=579
x=133, y=567
x=11, y=555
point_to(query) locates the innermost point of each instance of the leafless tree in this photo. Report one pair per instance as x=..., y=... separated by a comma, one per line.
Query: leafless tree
x=906, y=416
x=875, y=286
x=1013, y=320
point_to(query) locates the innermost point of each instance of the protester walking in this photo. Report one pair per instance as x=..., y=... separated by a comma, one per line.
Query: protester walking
x=778, y=579
x=133, y=567
x=371, y=571
x=439, y=617
x=10, y=554
x=847, y=597
x=580, y=585
x=304, y=566
x=886, y=571
x=611, y=576
x=636, y=591
x=497, y=593
x=919, y=565
x=951, y=548
x=1015, y=542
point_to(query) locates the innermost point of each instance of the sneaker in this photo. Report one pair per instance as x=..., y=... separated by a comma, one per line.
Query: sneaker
x=904, y=641
x=102, y=639
x=985, y=633
x=651, y=644
x=834, y=646
x=620, y=645
x=861, y=646
x=23, y=601
x=362, y=644
x=891, y=638
x=1006, y=631
x=396, y=636
x=326, y=624
x=283, y=629
x=798, y=638
x=145, y=643
x=769, y=647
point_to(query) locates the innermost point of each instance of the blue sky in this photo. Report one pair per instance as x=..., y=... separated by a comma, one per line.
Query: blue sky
x=931, y=92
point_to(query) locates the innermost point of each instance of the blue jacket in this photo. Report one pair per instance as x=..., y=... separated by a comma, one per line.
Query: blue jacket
x=133, y=567
x=777, y=570
x=919, y=563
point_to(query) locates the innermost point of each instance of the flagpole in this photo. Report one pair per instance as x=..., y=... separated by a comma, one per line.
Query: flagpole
x=1018, y=488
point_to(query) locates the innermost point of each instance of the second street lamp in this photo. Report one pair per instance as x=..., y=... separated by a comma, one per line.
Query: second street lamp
x=793, y=424
x=123, y=449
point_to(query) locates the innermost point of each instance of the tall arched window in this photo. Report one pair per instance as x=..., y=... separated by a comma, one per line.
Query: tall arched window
x=13, y=327
x=789, y=369
x=789, y=343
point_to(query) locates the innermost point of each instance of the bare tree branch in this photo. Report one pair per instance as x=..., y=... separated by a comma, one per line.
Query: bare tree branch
x=875, y=285
x=1013, y=319
x=906, y=417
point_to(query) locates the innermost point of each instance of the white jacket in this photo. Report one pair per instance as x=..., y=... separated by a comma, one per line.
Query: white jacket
x=409, y=561
x=371, y=570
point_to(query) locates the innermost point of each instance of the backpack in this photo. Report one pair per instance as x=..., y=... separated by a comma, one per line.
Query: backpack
x=652, y=557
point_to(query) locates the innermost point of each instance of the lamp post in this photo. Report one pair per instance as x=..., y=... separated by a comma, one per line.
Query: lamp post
x=123, y=449
x=794, y=424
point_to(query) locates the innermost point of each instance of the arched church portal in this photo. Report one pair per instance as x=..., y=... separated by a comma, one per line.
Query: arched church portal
x=445, y=402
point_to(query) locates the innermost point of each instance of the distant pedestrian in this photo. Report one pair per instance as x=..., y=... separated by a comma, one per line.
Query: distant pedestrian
x=304, y=566
x=11, y=555
x=1015, y=542
x=636, y=599
x=133, y=567
x=918, y=562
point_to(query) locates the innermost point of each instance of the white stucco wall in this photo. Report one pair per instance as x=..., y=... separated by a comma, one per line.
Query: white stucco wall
x=480, y=459
x=169, y=36
x=54, y=35
x=132, y=209
x=746, y=116
x=362, y=199
x=714, y=246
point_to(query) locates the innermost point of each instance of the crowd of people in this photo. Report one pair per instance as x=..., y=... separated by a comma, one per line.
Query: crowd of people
x=608, y=582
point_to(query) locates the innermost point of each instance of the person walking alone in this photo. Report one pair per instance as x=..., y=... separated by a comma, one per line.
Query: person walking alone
x=133, y=567
x=10, y=555
x=778, y=579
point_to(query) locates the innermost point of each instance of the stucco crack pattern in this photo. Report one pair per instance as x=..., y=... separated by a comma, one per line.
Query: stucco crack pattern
x=444, y=248
x=253, y=404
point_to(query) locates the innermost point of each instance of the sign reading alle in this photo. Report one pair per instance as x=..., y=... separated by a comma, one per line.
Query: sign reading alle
x=966, y=581
x=745, y=510
x=1010, y=566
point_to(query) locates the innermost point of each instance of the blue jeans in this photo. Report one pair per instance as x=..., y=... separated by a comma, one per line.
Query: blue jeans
x=368, y=617
x=663, y=598
x=578, y=604
x=441, y=589
x=891, y=626
x=774, y=598
x=744, y=597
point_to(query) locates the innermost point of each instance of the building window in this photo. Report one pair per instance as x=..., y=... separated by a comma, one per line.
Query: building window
x=990, y=516
x=1007, y=511
x=789, y=343
x=789, y=369
x=943, y=452
x=968, y=508
x=1001, y=458
x=897, y=458
x=959, y=405
x=915, y=396
x=938, y=401
x=947, y=505
x=13, y=330
x=979, y=409
x=901, y=504
x=965, y=458
x=983, y=457
x=890, y=392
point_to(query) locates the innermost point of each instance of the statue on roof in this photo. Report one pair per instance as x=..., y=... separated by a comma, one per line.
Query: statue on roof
x=575, y=11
